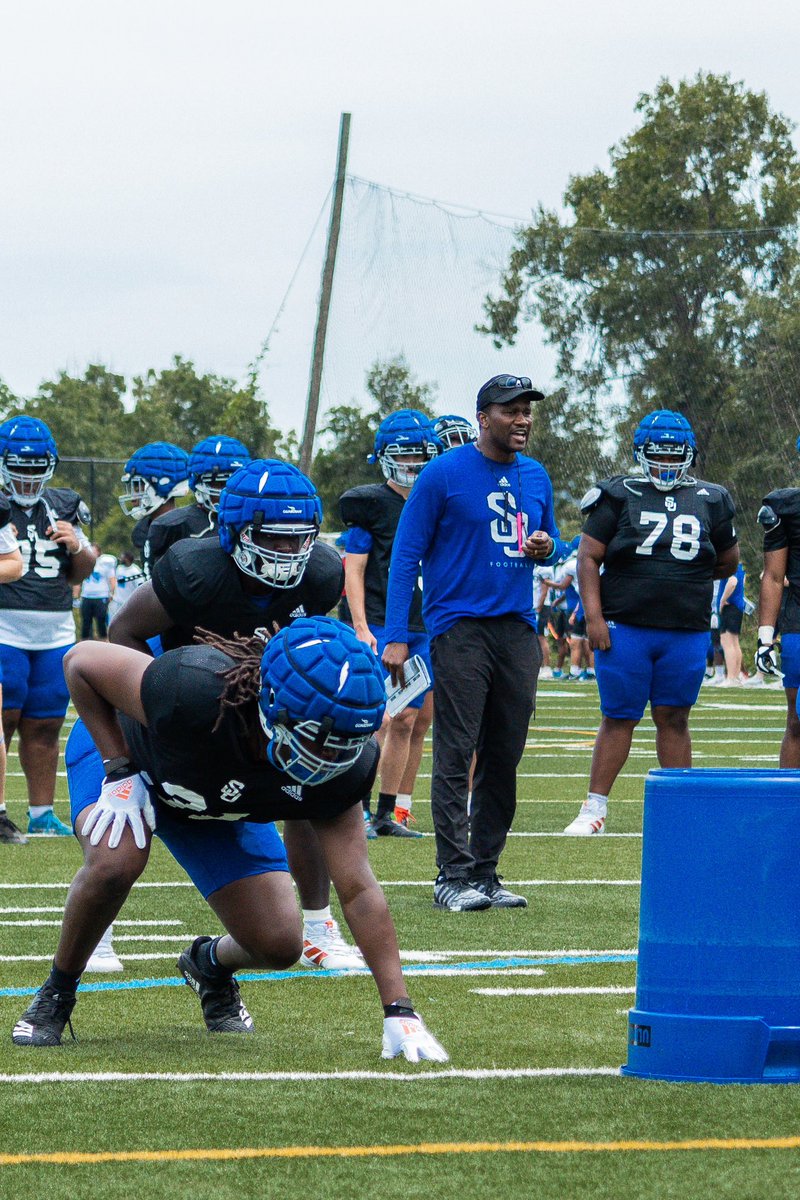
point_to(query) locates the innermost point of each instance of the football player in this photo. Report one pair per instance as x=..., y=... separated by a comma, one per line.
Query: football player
x=454, y=431
x=662, y=538
x=154, y=476
x=207, y=746
x=211, y=464
x=266, y=569
x=780, y=597
x=404, y=443
x=36, y=623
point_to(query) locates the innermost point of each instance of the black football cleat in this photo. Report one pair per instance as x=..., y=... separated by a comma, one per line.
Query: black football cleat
x=43, y=1021
x=223, y=1010
x=9, y=832
x=386, y=827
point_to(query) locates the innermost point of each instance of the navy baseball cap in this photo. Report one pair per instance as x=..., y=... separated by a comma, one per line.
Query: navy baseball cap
x=502, y=389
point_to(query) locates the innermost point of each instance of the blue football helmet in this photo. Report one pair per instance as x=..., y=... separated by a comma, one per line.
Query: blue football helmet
x=211, y=464
x=322, y=698
x=269, y=518
x=156, y=473
x=660, y=436
x=454, y=431
x=401, y=434
x=28, y=457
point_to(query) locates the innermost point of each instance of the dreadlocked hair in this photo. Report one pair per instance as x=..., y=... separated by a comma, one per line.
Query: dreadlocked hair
x=242, y=681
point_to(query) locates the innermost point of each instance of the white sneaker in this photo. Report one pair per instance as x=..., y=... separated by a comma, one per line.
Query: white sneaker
x=545, y=672
x=324, y=946
x=591, y=820
x=731, y=683
x=754, y=681
x=103, y=961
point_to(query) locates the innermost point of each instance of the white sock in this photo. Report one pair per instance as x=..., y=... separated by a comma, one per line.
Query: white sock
x=719, y=672
x=316, y=914
x=2, y=808
x=574, y=672
x=598, y=799
x=37, y=810
x=404, y=801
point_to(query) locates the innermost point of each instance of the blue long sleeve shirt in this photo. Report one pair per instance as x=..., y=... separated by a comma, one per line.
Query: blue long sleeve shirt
x=460, y=522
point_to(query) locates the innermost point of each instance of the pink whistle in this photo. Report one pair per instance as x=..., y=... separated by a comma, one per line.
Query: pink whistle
x=520, y=539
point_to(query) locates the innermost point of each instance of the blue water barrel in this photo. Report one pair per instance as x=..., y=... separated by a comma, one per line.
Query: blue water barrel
x=718, y=976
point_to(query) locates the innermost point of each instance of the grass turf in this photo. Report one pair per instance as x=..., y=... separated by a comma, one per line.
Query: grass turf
x=333, y=1024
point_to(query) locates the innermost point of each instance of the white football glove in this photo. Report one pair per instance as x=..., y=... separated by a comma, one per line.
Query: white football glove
x=408, y=1036
x=766, y=658
x=121, y=802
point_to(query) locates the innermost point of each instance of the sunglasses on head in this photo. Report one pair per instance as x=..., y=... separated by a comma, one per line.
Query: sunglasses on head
x=513, y=381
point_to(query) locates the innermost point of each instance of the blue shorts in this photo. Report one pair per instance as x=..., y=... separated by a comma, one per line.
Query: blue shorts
x=33, y=681
x=790, y=659
x=418, y=643
x=664, y=666
x=212, y=853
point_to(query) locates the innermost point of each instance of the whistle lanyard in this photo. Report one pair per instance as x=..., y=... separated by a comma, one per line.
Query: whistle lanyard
x=506, y=490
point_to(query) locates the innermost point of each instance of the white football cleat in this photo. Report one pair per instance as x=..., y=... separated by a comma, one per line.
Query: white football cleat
x=324, y=947
x=591, y=820
x=104, y=960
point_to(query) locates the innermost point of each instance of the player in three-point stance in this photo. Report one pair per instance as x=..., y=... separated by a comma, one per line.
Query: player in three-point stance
x=207, y=746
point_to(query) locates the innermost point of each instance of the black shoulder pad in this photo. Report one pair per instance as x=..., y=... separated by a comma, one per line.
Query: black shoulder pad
x=67, y=505
x=768, y=517
x=591, y=499
x=355, y=505
x=615, y=487
x=784, y=501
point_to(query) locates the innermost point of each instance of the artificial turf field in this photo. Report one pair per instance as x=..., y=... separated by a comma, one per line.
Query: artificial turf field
x=530, y=1004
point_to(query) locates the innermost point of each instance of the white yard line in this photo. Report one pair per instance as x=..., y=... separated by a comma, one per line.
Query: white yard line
x=387, y=1076
x=555, y=991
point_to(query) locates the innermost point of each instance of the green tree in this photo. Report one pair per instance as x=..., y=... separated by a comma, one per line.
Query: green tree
x=178, y=405
x=348, y=435
x=648, y=286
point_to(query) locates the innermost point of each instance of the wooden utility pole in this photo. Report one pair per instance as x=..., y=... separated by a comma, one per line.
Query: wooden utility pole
x=312, y=405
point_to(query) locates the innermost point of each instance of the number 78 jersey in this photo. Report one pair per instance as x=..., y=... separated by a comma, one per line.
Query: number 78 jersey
x=661, y=548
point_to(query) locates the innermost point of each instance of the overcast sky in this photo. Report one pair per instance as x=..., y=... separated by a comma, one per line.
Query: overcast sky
x=164, y=163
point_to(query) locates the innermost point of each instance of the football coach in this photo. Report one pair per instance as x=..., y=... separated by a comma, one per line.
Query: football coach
x=478, y=520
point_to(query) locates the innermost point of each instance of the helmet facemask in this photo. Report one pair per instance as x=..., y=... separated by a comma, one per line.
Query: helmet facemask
x=208, y=489
x=141, y=499
x=277, y=568
x=25, y=477
x=309, y=751
x=665, y=475
x=404, y=473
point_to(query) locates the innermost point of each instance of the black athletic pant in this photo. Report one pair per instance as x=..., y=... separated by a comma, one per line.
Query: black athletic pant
x=485, y=671
x=93, y=609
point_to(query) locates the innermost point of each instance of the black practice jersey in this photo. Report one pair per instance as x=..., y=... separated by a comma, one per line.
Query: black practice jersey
x=780, y=517
x=44, y=586
x=139, y=539
x=191, y=521
x=200, y=585
x=376, y=508
x=661, y=549
x=204, y=774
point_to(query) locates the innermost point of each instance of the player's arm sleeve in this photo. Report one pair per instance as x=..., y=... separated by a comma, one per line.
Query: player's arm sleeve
x=358, y=540
x=181, y=691
x=8, y=539
x=415, y=532
x=723, y=534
